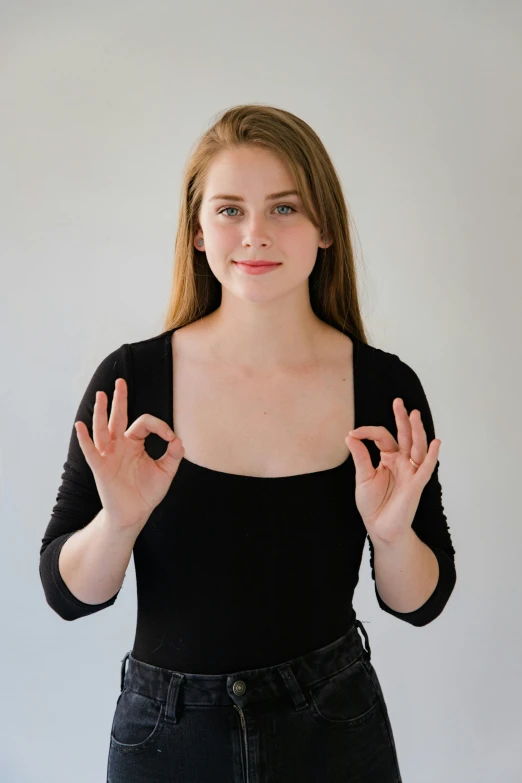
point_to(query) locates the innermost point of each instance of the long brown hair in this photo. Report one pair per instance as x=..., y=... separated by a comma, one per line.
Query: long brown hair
x=196, y=291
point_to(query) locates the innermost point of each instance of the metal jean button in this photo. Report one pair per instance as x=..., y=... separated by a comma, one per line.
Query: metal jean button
x=239, y=687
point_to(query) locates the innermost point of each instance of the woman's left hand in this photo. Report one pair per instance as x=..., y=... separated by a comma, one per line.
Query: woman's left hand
x=388, y=497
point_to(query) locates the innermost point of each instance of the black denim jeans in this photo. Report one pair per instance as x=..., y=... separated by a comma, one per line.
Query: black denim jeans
x=319, y=718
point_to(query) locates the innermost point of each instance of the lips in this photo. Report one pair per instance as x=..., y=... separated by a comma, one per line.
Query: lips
x=258, y=263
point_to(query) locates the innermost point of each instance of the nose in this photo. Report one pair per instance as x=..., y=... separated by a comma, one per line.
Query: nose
x=256, y=234
x=253, y=242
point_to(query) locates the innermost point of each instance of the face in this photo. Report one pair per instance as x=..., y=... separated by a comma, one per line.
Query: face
x=249, y=225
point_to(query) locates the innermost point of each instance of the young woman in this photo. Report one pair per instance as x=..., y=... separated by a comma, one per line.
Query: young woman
x=247, y=664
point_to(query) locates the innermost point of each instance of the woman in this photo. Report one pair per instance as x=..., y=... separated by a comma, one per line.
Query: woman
x=247, y=663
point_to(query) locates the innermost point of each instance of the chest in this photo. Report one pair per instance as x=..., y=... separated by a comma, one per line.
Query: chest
x=280, y=425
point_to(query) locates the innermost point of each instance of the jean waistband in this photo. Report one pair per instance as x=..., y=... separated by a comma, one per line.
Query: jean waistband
x=249, y=685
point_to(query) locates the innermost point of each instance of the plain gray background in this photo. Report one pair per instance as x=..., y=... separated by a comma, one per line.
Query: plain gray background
x=419, y=105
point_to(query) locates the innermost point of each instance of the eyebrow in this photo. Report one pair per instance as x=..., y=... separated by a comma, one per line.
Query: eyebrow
x=270, y=197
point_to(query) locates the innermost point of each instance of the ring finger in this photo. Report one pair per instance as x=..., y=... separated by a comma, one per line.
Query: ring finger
x=419, y=442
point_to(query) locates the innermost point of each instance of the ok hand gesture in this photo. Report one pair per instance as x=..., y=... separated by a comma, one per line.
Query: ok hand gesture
x=388, y=497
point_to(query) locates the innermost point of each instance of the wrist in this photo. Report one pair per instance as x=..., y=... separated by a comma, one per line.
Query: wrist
x=119, y=528
x=403, y=540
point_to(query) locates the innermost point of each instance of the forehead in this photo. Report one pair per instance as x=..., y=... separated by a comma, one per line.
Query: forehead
x=248, y=170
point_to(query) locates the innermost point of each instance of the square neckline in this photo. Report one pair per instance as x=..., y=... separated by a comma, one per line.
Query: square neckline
x=237, y=476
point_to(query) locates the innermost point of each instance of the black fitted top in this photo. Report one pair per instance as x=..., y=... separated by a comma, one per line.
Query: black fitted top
x=239, y=572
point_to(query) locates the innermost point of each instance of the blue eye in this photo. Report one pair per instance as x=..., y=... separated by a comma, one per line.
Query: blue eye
x=221, y=211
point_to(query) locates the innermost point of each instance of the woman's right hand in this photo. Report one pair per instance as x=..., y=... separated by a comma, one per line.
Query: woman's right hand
x=130, y=483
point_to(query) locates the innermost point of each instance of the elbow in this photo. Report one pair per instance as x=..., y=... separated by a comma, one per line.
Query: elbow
x=437, y=601
x=58, y=607
x=55, y=600
x=61, y=600
x=68, y=609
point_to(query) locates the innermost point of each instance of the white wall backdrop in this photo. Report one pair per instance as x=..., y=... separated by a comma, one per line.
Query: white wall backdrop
x=419, y=104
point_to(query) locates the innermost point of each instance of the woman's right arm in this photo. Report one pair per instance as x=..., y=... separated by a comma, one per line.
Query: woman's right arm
x=77, y=519
x=110, y=487
x=93, y=561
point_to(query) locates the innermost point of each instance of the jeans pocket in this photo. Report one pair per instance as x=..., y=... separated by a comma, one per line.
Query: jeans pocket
x=138, y=721
x=346, y=699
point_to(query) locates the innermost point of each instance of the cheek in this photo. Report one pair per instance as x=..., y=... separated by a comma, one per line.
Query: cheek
x=304, y=237
x=225, y=236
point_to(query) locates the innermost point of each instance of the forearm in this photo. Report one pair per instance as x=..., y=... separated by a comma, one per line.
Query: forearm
x=94, y=560
x=406, y=572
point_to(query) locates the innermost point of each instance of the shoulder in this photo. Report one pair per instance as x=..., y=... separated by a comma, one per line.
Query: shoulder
x=377, y=361
x=191, y=337
x=385, y=375
x=150, y=352
x=122, y=357
x=150, y=342
x=385, y=362
x=128, y=360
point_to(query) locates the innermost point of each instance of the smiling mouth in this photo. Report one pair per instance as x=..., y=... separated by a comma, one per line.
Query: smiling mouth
x=258, y=263
x=256, y=269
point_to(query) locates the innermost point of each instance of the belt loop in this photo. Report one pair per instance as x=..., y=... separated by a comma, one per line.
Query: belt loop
x=123, y=669
x=298, y=697
x=171, y=702
x=368, y=650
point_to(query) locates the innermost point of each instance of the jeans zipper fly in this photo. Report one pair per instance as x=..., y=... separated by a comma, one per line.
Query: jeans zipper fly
x=243, y=725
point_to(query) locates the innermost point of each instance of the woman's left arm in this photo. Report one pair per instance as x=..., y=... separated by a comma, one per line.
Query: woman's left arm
x=411, y=553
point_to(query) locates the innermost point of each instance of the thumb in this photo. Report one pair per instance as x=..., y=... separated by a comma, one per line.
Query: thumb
x=173, y=455
x=361, y=457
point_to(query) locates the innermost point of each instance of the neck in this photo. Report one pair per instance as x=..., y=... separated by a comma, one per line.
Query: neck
x=257, y=341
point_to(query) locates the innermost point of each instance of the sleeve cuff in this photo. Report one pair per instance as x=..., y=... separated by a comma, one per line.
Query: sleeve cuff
x=433, y=607
x=72, y=607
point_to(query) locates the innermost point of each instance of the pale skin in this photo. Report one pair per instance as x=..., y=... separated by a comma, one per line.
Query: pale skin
x=387, y=497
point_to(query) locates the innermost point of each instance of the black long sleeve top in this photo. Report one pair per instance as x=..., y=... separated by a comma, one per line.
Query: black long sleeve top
x=239, y=572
